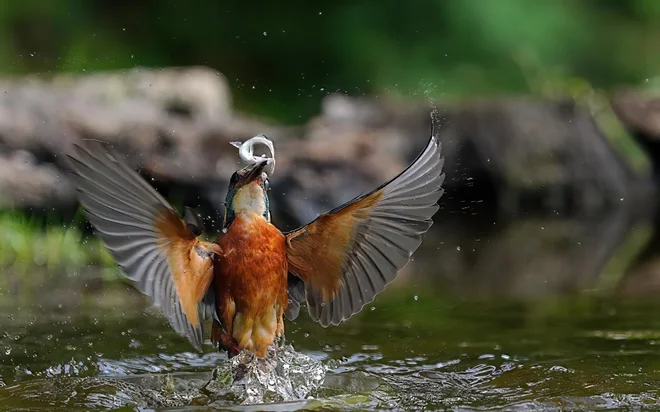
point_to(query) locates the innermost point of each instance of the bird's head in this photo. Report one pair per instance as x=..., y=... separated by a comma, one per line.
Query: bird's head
x=247, y=192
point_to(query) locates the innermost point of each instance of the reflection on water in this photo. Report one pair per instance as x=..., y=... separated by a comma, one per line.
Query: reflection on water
x=534, y=313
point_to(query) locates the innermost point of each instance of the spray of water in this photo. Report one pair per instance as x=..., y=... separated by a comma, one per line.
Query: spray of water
x=283, y=376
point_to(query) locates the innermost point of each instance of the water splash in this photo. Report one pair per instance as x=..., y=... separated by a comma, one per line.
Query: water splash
x=285, y=379
x=283, y=376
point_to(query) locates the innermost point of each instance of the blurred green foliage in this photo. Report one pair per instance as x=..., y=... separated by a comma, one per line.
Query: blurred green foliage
x=27, y=243
x=281, y=58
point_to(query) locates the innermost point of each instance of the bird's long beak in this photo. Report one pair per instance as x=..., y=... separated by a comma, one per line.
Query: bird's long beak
x=250, y=173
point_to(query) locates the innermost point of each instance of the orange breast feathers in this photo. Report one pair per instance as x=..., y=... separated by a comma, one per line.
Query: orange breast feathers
x=251, y=281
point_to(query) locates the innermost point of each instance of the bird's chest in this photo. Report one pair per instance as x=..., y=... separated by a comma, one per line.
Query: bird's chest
x=253, y=266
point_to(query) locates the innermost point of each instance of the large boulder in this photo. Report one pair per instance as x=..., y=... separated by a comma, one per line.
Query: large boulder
x=176, y=125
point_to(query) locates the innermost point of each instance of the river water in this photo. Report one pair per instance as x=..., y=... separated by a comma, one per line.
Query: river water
x=534, y=313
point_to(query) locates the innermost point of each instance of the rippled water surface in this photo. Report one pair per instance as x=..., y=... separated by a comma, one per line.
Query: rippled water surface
x=105, y=349
x=450, y=339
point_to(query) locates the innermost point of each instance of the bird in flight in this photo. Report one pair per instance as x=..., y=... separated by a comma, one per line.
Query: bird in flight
x=253, y=274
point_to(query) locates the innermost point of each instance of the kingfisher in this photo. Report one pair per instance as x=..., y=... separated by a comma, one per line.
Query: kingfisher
x=253, y=275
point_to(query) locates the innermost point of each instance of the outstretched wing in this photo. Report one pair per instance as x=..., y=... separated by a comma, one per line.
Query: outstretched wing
x=146, y=237
x=347, y=256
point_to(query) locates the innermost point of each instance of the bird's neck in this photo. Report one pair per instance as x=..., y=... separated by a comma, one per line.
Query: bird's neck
x=247, y=202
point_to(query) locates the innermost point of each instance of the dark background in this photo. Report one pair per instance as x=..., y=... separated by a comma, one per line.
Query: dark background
x=282, y=58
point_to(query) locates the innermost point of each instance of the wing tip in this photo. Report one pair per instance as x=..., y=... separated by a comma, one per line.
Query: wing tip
x=92, y=148
x=326, y=323
x=435, y=124
x=84, y=145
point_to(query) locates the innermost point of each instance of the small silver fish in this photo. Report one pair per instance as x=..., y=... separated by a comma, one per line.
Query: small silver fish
x=246, y=152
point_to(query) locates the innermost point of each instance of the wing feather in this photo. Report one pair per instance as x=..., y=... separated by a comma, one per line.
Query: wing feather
x=146, y=237
x=349, y=255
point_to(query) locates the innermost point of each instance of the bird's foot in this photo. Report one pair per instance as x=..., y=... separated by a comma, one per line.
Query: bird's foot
x=232, y=351
x=229, y=345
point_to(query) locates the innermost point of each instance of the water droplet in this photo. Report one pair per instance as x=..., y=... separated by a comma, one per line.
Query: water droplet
x=306, y=335
x=7, y=351
x=416, y=297
x=458, y=248
x=224, y=230
x=265, y=34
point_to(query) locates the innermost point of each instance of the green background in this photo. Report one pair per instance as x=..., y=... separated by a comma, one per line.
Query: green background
x=281, y=58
